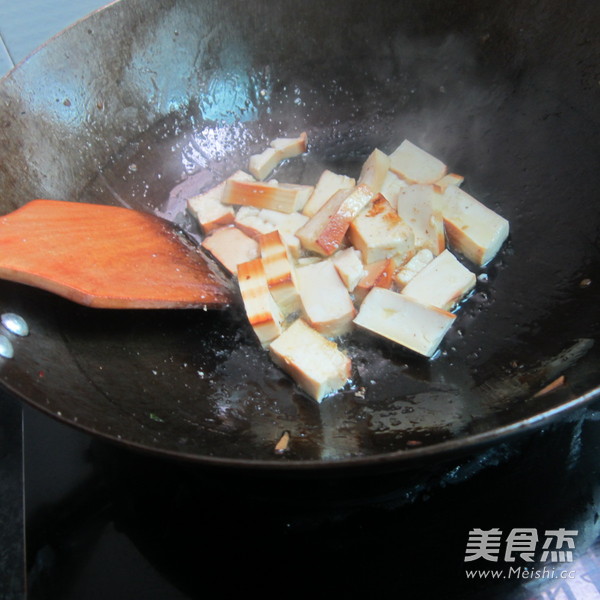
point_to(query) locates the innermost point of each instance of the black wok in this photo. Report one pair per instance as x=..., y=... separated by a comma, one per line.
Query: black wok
x=144, y=103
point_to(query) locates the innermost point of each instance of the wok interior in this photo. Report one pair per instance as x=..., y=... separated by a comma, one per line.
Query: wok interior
x=144, y=105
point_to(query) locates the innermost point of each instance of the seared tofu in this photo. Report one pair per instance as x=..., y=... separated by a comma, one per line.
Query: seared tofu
x=326, y=303
x=450, y=179
x=290, y=147
x=473, y=229
x=314, y=362
x=348, y=264
x=416, y=264
x=230, y=247
x=415, y=165
x=303, y=193
x=403, y=320
x=308, y=260
x=260, y=165
x=249, y=220
x=285, y=222
x=377, y=274
x=379, y=233
x=442, y=283
x=329, y=184
x=419, y=207
x=256, y=222
x=262, y=311
x=374, y=170
x=284, y=197
x=208, y=209
x=325, y=231
x=279, y=271
x=392, y=184
x=287, y=225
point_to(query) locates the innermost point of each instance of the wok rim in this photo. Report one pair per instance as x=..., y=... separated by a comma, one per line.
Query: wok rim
x=395, y=459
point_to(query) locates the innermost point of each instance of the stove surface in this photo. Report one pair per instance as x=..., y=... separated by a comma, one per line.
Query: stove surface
x=104, y=522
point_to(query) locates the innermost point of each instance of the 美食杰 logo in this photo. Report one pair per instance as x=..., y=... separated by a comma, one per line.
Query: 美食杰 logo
x=521, y=549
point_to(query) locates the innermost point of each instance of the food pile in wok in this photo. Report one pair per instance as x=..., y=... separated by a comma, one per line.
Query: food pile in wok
x=380, y=252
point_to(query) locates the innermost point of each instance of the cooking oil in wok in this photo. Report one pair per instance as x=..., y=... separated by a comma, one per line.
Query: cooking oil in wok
x=15, y=324
x=395, y=400
x=393, y=395
x=6, y=347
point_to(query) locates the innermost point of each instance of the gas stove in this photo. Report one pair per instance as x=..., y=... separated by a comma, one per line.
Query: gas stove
x=101, y=521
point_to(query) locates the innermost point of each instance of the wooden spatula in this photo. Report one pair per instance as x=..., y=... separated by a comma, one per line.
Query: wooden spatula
x=108, y=257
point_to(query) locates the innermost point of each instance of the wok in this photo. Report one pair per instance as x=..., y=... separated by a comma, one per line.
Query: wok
x=142, y=104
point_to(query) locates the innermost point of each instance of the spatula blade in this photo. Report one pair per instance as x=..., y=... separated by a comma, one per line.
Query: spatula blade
x=108, y=257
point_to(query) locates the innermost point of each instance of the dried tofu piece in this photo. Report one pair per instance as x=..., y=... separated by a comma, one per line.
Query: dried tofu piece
x=249, y=220
x=348, y=264
x=442, y=283
x=377, y=274
x=279, y=271
x=211, y=213
x=325, y=231
x=379, y=233
x=326, y=303
x=392, y=184
x=374, y=170
x=208, y=209
x=329, y=183
x=473, y=229
x=314, y=362
x=415, y=165
x=287, y=224
x=290, y=147
x=260, y=165
x=308, y=260
x=418, y=262
x=284, y=197
x=230, y=247
x=262, y=311
x=403, y=320
x=419, y=206
x=450, y=179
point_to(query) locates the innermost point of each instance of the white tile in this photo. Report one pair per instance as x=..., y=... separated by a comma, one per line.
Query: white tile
x=5, y=59
x=26, y=24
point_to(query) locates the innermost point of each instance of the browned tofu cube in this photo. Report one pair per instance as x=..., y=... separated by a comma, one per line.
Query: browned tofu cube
x=379, y=233
x=326, y=302
x=280, y=273
x=284, y=197
x=325, y=231
x=230, y=247
x=314, y=362
x=261, y=310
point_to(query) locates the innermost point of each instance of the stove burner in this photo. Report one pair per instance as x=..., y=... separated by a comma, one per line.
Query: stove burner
x=131, y=522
